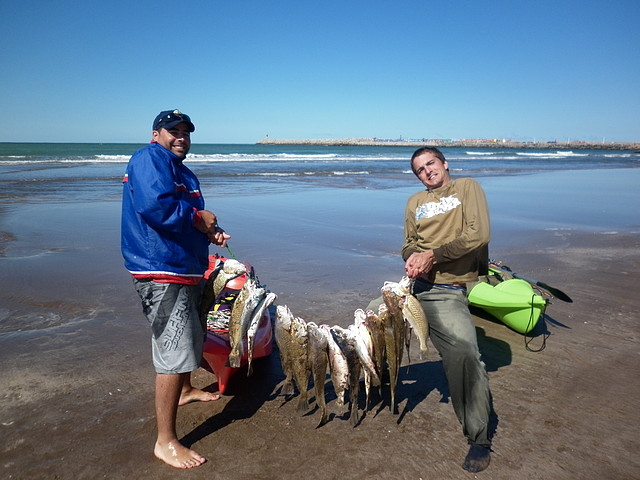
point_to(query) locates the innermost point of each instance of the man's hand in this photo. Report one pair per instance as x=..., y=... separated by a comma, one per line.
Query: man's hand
x=208, y=224
x=419, y=263
x=219, y=237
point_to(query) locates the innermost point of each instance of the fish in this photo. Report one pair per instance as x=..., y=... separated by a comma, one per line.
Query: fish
x=414, y=314
x=243, y=306
x=338, y=366
x=208, y=296
x=300, y=360
x=284, y=320
x=230, y=269
x=375, y=327
x=394, y=338
x=370, y=375
x=364, y=349
x=319, y=361
x=256, y=317
x=364, y=345
x=347, y=343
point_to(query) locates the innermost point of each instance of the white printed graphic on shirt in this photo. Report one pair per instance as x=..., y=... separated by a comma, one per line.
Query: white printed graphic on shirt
x=431, y=209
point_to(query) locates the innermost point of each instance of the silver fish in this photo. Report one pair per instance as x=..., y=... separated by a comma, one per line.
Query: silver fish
x=337, y=366
x=414, y=314
x=284, y=320
x=364, y=345
x=240, y=319
x=319, y=360
x=256, y=317
x=300, y=360
x=347, y=343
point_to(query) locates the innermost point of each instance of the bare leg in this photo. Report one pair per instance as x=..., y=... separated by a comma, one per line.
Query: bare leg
x=168, y=448
x=190, y=394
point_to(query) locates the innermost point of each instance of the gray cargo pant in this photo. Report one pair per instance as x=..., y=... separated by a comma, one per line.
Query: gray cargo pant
x=453, y=333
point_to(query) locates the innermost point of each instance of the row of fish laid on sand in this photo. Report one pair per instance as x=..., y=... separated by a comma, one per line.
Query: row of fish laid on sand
x=372, y=344
x=247, y=307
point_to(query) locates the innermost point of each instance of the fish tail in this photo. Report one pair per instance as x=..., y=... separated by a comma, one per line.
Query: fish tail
x=303, y=402
x=424, y=352
x=287, y=387
x=354, y=416
x=234, y=360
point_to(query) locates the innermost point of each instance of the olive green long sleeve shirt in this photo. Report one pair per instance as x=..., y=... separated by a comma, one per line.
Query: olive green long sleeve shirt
x=453, y=221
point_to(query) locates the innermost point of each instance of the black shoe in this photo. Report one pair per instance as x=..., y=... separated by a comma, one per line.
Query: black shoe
x=477, y=459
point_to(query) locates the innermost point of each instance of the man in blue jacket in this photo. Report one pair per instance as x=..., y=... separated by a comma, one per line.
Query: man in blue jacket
x=166, y=233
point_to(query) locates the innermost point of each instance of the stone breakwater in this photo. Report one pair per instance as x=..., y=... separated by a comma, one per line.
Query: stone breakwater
x=369, y=142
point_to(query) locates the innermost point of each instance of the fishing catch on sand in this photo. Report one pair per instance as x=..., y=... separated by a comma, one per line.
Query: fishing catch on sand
x=371, y=346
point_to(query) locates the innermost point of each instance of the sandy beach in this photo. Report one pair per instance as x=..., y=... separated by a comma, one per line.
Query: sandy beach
x=76, y=388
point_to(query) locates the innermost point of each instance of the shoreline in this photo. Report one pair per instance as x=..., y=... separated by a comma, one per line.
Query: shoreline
x=376, y=142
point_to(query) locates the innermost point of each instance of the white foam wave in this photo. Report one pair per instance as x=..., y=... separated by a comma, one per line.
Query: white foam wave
x=113, y=158
x=315, y=155
x=496, y=156
x=271, y=174
x=557, y=154
x=288, y=157
x=98, y=159
x=251, y=157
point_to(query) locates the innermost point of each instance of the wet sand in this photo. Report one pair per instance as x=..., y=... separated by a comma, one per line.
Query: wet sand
x=77, y=386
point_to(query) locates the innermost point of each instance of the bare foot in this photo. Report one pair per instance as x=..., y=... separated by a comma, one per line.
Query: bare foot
x=189, y=395
x=177, y=455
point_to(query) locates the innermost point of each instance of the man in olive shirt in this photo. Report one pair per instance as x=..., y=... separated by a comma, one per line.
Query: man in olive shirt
x=445, y=247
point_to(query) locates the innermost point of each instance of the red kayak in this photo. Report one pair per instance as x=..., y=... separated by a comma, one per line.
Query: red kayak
x=217, y=346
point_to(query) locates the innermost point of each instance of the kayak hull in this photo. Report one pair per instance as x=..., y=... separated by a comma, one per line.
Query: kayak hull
x=217, y=346
x=217, y=349
x=513, y=302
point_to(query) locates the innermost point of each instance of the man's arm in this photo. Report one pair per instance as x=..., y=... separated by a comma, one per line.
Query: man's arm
x=476, y=230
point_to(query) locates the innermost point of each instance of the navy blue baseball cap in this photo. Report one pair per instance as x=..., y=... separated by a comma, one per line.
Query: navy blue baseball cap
x=170, y=118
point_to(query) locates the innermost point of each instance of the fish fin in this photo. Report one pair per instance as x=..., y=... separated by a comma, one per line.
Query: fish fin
x=323, y=419
x=287, y=387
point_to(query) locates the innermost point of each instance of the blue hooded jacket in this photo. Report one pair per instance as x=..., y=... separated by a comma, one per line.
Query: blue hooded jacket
x=160, y=200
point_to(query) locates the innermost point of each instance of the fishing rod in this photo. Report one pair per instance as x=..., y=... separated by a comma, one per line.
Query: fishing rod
x=559, y=294
x=230, y=252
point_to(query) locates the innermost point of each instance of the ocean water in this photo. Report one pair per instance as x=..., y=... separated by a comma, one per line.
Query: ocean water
x=94, y=171
x=321, y=225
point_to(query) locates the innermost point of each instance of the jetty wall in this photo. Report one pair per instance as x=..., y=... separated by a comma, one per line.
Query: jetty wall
x=570, y=145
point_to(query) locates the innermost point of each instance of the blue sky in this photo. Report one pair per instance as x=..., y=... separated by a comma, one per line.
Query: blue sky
x=99, y=71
